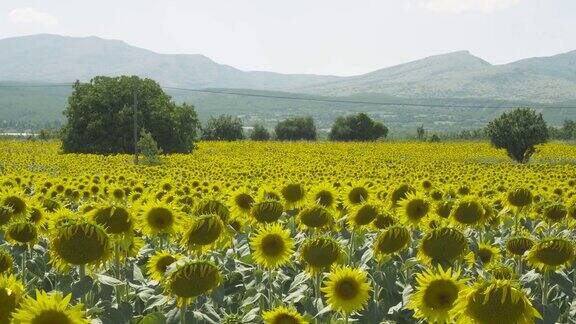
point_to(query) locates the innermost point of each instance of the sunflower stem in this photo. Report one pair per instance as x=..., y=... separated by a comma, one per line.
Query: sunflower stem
x=183, y=313
x=351, y=246
x=545, y=278
x=270, y=289
x=24, y=256
x=81, y=275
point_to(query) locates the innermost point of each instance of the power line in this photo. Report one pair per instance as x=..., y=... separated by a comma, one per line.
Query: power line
x=325, y=100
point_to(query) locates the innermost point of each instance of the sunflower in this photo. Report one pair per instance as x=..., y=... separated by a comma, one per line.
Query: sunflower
x=392, y=240
x=211, y=205
x=443, y=246
x=191, y=279
x=11, y=293
x=293, y=194
x=272, y=246
x=549, y=254
x=204, y=233
x=16, y=201
x=363, y=214
x=158, y=218
x=383, y=220
x=324, y=196
x=400, y=193
x=6, y=261
x=79, y=242
x=413, y=208
x=357, y=194
x=22, y=232
x=320, y=253
x=488, y=253
x=241, y=202
x=314, y=216
x=519, y=198
x=159, y=263
x=500, y=271
x=554, y=213
x=519, y=244
x=443, y=208
x=283, y=315
x=6, y=214
x=435, y=295
x=495, y=301
x=346, y=289
x=467, y=211
x=49, y=309
x=117, y=220
x=267, y=211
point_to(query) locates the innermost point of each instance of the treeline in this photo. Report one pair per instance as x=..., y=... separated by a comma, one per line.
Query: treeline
x=358, y=127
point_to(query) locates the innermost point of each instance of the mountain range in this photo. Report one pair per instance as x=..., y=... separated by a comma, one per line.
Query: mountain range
x=54, y=58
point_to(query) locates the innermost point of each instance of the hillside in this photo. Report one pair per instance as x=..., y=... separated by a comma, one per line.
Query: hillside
x=53, y=58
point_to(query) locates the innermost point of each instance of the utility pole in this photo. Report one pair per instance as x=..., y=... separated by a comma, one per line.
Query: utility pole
x=135, y=122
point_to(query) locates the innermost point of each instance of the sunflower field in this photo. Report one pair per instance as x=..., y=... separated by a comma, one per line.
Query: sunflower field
x=247, y=232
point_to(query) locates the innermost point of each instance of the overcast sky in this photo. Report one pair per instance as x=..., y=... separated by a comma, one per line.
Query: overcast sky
x=342, y=37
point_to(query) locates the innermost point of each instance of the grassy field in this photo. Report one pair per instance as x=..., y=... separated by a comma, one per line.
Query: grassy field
x=247, y=232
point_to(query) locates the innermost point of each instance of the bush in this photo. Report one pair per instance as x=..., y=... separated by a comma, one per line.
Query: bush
x=359, y=127
x=223, y=128
x=100, y=117
x=148, y=147
x=296, y=128
x=518, y=132
x=260, y=133
x=434, y=138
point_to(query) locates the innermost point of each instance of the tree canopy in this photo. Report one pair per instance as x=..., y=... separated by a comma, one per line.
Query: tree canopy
x=100, y=117
x=518, y=132
x=359, y=127
x=223, y=128
x=296, y=128
x=260, y=133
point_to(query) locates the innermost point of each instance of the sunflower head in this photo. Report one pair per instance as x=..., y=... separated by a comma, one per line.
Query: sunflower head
x=357, y=195
x=392, y=240
x=159, y=263
x=11, y=293
x=468, y=211
x=495, y=301
x=518, y=245
x=414, y=207
x=293, y=194
x=443, y=208
x=79, y=242
x=241, y=202
x=22, y=232
x=272, y=246
x=324, y=196
x=519, y=197
x=159, y=218
x=488, y=253
x=320, y=253
x=554, y=213
x=346, y=289
x=209, y=206
x=550, y=254
x=115, y=219
x=363, y=214
x=383, y=220
x=399, y=193
x=442, y=246
x=435, y=295
x=15, y=201
x=267, y=211
x=283, y=315
x=204, y=232
x=6, y=261
x=314, y=216
x=49, y=309
x=191, y=279
x=500, y=271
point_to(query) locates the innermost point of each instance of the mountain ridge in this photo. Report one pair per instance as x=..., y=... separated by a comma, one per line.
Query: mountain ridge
x=459, y=74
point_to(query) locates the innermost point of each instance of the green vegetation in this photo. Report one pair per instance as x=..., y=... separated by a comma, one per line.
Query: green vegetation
x=260, y=133
x=296, y=128
x=357, y=127
x=518, y=132
x=100, y=117
x=223, y=128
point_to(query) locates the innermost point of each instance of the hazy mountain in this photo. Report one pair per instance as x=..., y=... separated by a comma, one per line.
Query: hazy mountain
x=54, y=58
x=462, y=75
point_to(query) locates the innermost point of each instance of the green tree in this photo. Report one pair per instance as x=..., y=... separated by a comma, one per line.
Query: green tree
x=223, y=128
x=569, y=130
x=421, y=133
x=518, y=132
x=260, y=133
x=148, y=147
x=100, y=117
x=295, y=129
x=359, y=127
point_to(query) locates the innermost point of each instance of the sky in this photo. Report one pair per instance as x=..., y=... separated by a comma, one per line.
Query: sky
x=337, y=37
